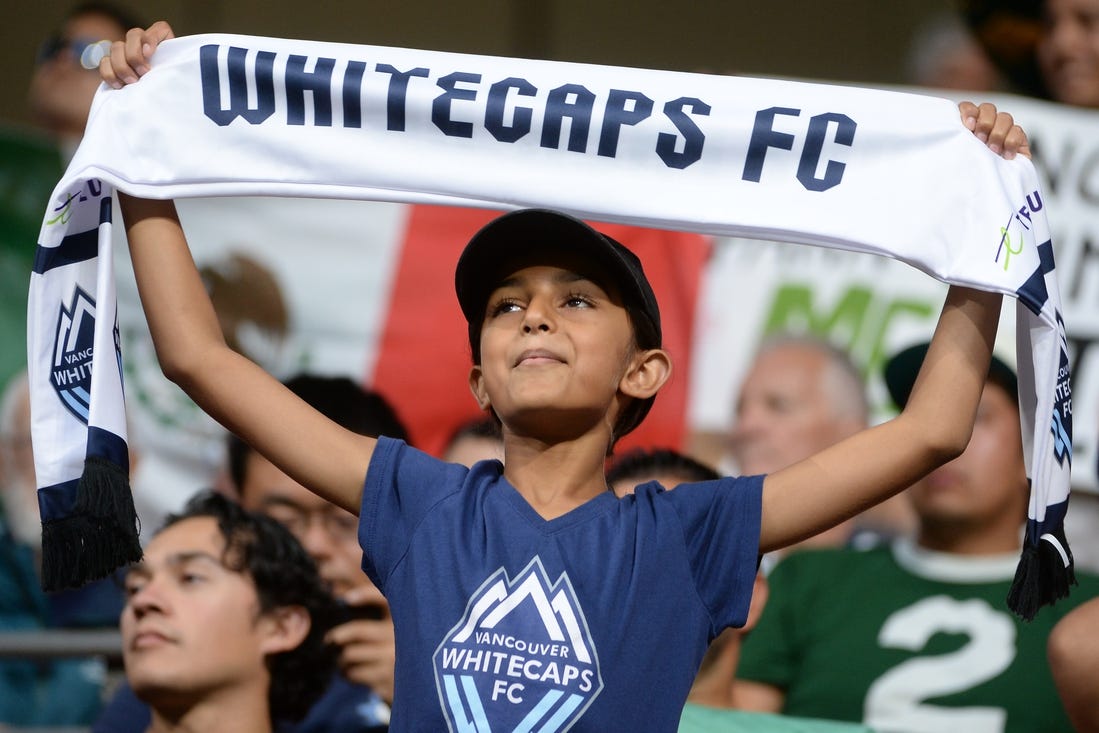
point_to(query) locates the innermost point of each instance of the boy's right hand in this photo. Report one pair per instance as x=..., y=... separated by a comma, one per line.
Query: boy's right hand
x=129, y=60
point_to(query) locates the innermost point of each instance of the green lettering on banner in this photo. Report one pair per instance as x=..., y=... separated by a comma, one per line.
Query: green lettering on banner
x=920, y=311
x=792, y=310
x=860, y=321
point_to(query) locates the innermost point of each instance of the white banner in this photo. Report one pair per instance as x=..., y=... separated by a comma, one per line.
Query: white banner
x=841, y=167
x=875, y=306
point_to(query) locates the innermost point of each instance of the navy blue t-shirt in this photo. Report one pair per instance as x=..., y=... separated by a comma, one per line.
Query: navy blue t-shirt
x=510, y=621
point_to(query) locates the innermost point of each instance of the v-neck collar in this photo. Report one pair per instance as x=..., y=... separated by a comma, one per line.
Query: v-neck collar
x=593, y=507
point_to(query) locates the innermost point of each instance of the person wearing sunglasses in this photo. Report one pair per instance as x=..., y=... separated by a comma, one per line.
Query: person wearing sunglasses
x=61, y=88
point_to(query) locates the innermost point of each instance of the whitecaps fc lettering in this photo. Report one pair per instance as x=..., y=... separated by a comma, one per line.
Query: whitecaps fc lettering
x=521, y=656
x=71, y=370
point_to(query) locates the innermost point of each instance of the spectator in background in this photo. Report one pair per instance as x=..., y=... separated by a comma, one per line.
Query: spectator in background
x=356, y=701
x=1050, y=49
x=1073, y=651
x=927, y=643
x=1074, y=660
x=330, y=535
x=62, y=692
x=1009, y=30
x=61, y=89
x=59, y=97
x=667, y=467
x=945, y=55
x=1047, y=48
x=476, y=440
x=1068, y=51
x=18, y=492
x=800, y=395
x=709, y=703
x=94, y=605
x=224, y=624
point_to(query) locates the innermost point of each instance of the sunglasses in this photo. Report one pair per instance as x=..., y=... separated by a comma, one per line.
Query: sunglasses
x=88, y=51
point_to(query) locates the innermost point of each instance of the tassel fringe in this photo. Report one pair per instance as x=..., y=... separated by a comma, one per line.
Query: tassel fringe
x=1042, y=578
x=99, y=536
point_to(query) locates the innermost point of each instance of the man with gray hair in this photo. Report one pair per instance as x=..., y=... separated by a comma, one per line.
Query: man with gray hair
x=927, y=641
x=800, y=395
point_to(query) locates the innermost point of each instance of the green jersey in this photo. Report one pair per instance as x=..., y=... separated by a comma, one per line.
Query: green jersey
x=907, y=640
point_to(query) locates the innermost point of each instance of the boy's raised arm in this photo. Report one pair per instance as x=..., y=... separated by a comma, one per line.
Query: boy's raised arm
x=935, y=426
x=318, y=453
x=856, y=473
x=315, y=451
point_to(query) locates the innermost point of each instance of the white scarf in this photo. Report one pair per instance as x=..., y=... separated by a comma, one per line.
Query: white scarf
x=882, y=172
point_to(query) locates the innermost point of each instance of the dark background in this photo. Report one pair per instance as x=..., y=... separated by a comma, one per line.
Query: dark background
x=855, y=40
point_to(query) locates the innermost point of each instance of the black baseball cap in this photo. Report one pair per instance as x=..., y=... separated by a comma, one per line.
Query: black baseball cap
x=902, y=368
x=494, y=251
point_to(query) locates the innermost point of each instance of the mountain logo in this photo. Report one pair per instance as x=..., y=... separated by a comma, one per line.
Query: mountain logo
x=71, y=371
x=521, y=657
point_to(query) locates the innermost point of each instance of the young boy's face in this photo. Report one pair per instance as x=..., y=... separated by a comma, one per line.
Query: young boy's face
x=555, y=347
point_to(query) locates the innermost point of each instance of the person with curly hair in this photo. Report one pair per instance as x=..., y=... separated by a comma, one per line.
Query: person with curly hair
x=224, y=622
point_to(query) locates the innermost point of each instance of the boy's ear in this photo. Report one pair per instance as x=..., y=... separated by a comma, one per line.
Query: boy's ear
x=285, y=629
x=648, y=373
x=477, y=387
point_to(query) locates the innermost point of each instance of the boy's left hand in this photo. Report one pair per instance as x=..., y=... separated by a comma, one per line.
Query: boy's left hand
x=996, y=129
x=129, y=59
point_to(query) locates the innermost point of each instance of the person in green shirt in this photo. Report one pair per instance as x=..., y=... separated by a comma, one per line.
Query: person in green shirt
x=916, y=636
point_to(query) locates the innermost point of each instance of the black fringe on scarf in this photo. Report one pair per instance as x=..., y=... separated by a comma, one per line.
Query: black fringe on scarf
x=101, y=534
x=1042, y=577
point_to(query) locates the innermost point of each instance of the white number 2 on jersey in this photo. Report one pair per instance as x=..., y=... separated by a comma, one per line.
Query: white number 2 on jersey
x=895, y=701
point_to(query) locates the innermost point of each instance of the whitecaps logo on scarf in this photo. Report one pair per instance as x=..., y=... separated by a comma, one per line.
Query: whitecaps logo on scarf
x=71, y=370
x=1062, y=414
x=522, y=657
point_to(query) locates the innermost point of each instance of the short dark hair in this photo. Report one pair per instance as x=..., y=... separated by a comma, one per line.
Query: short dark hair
x=284, y=575
x=480, y=427
x=339, y=399
x=642, y=463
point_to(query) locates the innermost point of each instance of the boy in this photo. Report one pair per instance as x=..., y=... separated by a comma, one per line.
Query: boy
x=528, y=595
